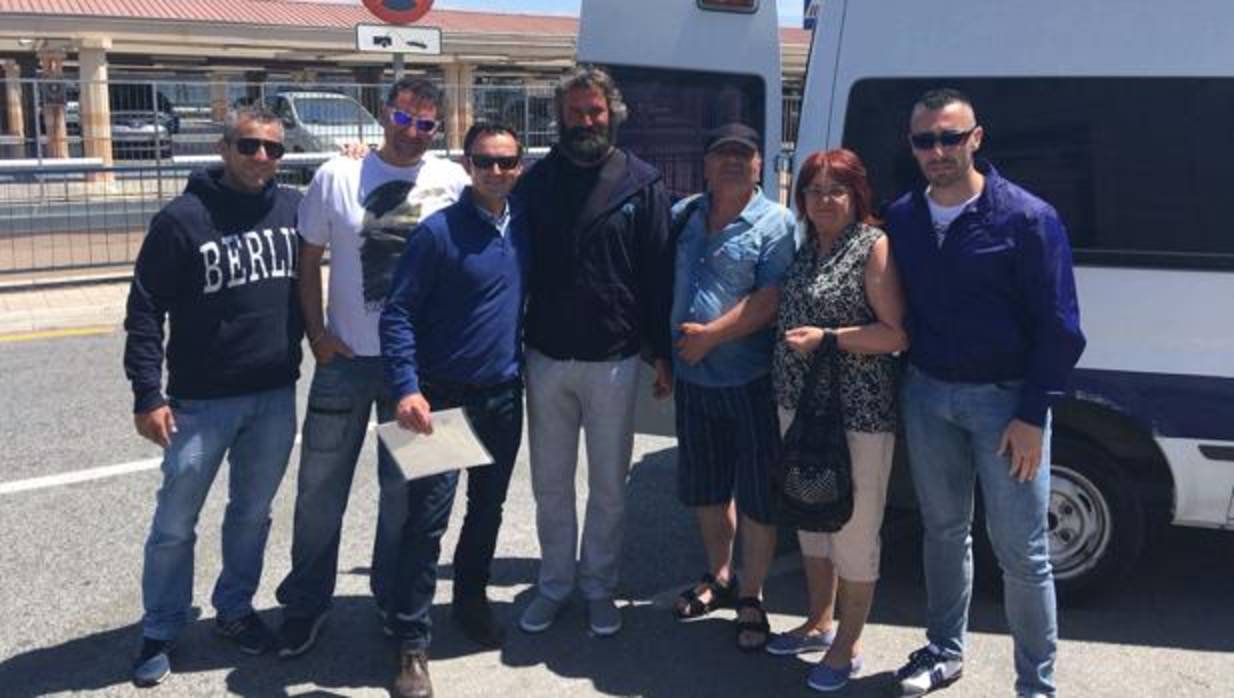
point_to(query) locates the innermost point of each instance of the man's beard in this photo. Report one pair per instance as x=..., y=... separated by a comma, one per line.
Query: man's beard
x=586, y=145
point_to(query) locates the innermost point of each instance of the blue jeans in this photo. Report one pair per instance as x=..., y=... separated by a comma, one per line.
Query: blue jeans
x=340, y=402
x=256, y=433
x=496, y=414
x=953, y=432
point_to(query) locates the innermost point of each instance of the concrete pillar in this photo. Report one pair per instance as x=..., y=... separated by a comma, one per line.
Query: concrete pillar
x=15, y=117
x=51, y=73
x=219, y=104
x=304, y=76
x=459, y=78
x=94, y=103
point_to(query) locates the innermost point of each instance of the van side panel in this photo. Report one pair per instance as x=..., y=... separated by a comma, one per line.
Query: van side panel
x=1145, y=320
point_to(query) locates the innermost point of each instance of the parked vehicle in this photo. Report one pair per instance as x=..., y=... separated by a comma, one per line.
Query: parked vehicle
x=143, y=120
x=1066, y=97
x=315, y=122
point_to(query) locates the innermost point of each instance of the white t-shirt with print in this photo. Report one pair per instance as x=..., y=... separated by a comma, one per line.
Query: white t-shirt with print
x=363, y=210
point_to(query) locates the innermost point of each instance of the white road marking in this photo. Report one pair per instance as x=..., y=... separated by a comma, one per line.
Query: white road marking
x=76, y=476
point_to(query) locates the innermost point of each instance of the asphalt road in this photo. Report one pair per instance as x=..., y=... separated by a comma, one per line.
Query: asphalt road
x=70, y=568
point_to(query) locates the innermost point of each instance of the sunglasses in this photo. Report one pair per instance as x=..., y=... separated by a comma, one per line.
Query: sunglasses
x=947, y=139
x=503, y=162
x=249, y=146
x=402, y=119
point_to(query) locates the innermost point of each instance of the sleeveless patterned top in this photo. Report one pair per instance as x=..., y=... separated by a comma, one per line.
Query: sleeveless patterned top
x=829, y=291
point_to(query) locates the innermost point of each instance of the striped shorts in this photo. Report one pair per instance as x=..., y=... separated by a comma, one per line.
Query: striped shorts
x=728, y=439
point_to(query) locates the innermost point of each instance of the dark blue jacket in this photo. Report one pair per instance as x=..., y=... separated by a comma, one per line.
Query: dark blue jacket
x=997, y=301
x=455, y=310
x=601, y=285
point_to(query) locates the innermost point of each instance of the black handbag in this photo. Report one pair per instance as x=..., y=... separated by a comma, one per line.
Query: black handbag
x=814, y=478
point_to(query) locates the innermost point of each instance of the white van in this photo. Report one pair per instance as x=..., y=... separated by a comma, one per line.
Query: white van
x=1119, y=114
x=323, y=122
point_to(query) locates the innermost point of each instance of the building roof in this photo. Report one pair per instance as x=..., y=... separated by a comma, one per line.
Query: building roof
x=297, y=13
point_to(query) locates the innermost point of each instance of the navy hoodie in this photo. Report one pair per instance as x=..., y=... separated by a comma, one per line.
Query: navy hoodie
x=221, y=265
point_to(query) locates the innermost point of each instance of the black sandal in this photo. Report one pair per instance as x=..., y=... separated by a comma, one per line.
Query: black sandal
x=752, y=626
x=722, y=596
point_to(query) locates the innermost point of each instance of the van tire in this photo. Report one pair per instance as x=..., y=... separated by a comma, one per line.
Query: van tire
x=1096, y=524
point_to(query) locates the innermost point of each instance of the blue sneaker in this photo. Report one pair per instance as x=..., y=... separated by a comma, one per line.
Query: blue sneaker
x=824, y=678
x=786, y=644
x=153, y=663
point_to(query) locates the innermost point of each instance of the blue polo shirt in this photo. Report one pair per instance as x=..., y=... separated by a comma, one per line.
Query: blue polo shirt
x=714, y=271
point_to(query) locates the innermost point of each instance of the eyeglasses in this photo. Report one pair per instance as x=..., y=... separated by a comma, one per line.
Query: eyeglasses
x=503, y=162
x=833, y=193
x=946, y=139
x=402, y=119
x=248, y=146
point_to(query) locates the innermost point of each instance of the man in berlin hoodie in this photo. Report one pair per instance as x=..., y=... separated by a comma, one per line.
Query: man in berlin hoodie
x=220, y=262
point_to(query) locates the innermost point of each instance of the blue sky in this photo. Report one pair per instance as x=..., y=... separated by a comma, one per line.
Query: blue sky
x=790, y=10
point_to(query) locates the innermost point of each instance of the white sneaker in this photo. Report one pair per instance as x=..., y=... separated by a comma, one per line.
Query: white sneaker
x=928, y=669
x=603, y=616
x=539, y=614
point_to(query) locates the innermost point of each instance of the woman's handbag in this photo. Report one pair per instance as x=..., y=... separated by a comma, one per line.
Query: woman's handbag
x=814, y=479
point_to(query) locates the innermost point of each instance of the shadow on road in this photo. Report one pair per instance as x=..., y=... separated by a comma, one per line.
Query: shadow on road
x=1181, y=596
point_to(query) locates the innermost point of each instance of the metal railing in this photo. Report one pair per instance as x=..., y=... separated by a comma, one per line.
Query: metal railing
x=79, y=192
x=82, y=216
x=144, y=121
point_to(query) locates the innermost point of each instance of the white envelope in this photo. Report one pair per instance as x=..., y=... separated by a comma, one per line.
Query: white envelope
x=453, y=445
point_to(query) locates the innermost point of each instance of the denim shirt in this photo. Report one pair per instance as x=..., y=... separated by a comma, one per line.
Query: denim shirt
x=714, y=271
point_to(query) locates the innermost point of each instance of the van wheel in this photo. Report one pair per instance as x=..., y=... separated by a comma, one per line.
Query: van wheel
x=1095, y=524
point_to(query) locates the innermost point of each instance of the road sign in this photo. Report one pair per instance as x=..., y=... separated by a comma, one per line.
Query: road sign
x=398, y=11
x=383, y=38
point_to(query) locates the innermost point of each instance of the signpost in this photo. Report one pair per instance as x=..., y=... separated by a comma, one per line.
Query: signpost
x=398, y=11
x=398, y=40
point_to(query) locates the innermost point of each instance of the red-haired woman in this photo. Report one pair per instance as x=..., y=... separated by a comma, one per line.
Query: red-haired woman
x=842, y=288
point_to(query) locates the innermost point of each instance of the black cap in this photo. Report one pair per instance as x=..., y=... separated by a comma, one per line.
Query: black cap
x=732, y=133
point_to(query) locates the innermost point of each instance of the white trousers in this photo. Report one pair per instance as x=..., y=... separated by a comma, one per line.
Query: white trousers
x=563, y=397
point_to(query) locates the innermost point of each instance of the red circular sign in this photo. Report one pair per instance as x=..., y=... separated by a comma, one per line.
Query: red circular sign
x=398, y=11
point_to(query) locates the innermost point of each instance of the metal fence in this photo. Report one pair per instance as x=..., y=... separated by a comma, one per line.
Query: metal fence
x=124, y=121
x=83, y=168
x=72, y=217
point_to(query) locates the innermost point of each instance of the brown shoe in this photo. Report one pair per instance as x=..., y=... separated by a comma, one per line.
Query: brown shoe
x=412, y=680
x=475, y=616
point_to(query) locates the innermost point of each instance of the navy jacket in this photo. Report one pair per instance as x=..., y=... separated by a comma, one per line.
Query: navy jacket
x=455, y=309
x=222, y=265
x=601, y=285
x=997, y=301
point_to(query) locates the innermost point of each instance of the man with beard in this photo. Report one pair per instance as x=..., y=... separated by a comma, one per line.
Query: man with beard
x=362, y=210
x=995, y=332
x=600, y=293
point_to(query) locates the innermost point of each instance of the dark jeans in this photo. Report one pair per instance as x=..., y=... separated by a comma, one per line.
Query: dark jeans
x=496, y=414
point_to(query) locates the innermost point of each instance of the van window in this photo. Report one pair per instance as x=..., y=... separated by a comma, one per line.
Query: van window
x=1135, y=166
x=729, y=5
x=670, y=112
